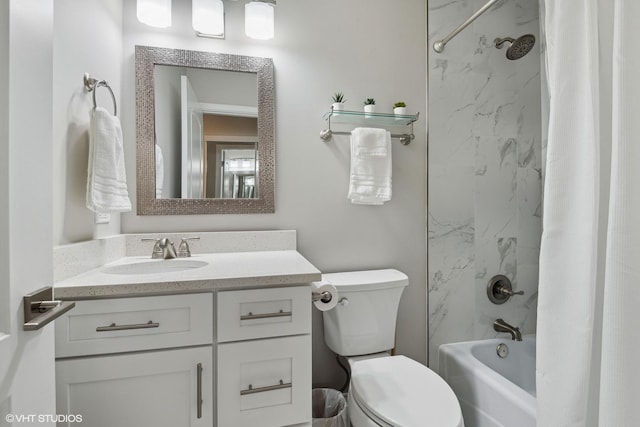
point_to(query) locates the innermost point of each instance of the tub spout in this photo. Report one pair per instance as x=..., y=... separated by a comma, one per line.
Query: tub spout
x=500, y=325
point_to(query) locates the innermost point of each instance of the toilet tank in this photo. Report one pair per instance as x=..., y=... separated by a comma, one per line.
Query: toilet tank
x=364, y=321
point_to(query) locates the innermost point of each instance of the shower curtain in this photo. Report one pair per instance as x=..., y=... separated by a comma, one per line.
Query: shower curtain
x=588, y=332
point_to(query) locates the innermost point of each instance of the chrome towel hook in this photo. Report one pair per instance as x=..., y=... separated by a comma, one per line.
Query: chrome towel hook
x=91, y=84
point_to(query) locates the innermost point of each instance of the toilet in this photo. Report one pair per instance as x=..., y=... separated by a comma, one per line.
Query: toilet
x=385, y=390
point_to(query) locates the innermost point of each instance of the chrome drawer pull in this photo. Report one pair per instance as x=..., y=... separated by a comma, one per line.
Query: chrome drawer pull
x=114, y=327
x=199, y=389
x=252, y=390
x=252, y=316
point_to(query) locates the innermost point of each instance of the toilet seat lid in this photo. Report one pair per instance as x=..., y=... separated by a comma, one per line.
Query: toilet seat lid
x=402, y=392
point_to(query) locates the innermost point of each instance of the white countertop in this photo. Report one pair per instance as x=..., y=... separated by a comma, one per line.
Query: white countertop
x=229, y=270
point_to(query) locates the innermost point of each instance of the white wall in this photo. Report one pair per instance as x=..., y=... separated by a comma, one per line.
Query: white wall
x=484, y=170
x=366, y=48
x=227, y=87
x=87, y=39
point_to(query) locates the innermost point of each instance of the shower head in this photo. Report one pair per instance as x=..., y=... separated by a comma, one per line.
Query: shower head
x=517, y=47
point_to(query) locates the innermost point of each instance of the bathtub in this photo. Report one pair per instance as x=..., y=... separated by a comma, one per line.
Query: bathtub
x=493, y=391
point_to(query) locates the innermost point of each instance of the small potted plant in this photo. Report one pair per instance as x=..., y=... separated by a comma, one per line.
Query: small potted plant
x=400, y=108
x=369, y=105
x=338, y=101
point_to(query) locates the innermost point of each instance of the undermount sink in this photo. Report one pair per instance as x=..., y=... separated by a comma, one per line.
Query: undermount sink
x=156, y=266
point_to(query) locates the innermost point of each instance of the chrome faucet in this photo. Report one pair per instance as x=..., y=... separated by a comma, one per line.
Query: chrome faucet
x=500, y=325
x=168, y=250
x=163, y=249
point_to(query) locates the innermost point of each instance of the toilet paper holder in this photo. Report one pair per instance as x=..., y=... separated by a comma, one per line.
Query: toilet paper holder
x=324, y=296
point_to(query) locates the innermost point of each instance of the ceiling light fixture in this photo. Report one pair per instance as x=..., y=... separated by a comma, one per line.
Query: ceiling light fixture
x=259, y=19
x=156, y=13
x=207, y=18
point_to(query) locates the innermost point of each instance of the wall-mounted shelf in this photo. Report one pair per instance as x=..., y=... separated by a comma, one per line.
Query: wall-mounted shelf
x=369, y=119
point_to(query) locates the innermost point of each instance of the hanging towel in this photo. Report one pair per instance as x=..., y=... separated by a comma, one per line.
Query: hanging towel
x=370, y=179
x=107, y=180
x=370, y=142
x=159, y=172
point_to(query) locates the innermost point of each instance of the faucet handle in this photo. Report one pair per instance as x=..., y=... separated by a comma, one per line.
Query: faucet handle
x=509, y=292
x=183, y=250
x=499, y=289
x=157, y=250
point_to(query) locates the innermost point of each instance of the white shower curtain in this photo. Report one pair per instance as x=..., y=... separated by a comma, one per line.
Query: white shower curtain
x=588, y=332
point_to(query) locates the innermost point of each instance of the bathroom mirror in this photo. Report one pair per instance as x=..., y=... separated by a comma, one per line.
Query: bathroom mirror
x=205, y=132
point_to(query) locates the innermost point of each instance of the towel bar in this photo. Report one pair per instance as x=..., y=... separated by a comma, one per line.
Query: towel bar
x=405, y=138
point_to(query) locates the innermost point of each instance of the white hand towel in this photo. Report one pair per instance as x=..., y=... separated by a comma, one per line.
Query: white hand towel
x=106, y=180
x=159, y=172
x=370, y=179
x=371, y=142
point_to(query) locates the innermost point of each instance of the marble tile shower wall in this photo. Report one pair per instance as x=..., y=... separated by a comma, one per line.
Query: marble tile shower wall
x=484, y=171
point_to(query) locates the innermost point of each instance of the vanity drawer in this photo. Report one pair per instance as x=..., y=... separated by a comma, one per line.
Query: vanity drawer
x=133, y=324
x=264, y=383
x=263, y=313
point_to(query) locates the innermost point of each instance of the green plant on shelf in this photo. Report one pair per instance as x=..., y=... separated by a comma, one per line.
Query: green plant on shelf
x=399, y=104
x=338, y=97
x=369, y=101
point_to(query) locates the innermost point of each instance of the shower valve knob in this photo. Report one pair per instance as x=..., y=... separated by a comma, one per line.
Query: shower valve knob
x=499, y=289
x=508, y=292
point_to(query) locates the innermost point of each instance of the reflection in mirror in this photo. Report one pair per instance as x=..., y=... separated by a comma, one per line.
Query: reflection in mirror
x=204, y=131
x=194, y=108
x=235, y=177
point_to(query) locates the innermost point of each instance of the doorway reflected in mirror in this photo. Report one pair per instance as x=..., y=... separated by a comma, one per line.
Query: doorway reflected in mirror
x=232, y=166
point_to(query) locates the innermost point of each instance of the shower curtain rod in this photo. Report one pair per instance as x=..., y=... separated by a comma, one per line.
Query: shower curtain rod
x=439, y=45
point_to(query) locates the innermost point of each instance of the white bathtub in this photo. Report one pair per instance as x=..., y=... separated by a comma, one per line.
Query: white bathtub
x=493, y=392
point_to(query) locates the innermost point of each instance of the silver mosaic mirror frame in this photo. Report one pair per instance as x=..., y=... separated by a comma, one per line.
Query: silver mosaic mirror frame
x=147, y=204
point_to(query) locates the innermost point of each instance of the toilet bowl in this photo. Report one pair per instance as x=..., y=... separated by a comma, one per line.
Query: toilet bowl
x=396, y=391
x=384, y=390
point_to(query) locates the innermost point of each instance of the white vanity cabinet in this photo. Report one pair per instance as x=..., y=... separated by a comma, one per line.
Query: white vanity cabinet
x=227, y=358
x=131, y=362
x=263, y=357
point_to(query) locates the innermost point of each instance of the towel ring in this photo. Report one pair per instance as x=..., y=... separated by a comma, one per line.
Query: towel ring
x=92, y=85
